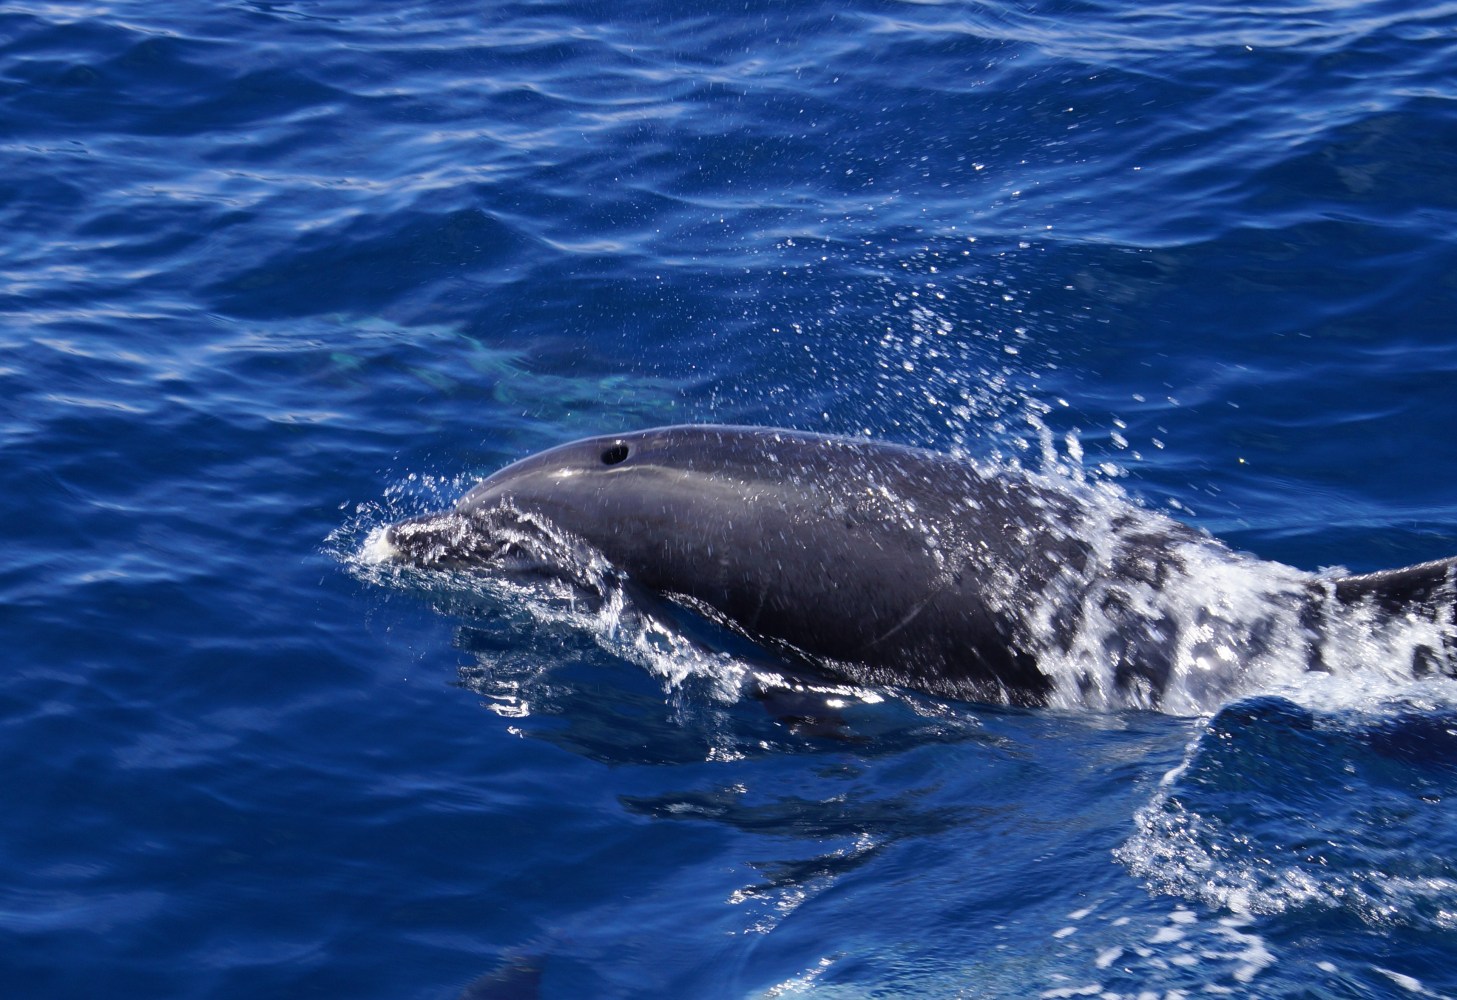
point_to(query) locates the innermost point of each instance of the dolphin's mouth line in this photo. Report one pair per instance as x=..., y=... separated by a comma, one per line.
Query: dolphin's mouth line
x=502, y=542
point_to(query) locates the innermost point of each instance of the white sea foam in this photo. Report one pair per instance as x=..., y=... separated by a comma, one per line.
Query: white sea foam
x=1288, y=838
x=1128, y=956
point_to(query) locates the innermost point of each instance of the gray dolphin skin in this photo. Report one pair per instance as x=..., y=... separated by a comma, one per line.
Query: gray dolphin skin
x=884, y=564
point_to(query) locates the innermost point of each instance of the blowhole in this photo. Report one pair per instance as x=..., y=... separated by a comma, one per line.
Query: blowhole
x=614, y=454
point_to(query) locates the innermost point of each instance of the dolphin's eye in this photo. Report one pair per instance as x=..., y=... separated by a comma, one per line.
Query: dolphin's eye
x=616, y=453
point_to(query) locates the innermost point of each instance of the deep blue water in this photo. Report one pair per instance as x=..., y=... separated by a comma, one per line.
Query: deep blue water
x=272, y=274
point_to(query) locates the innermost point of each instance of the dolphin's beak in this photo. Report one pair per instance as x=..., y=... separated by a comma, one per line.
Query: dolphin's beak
x=379, y=547
x=430, y=541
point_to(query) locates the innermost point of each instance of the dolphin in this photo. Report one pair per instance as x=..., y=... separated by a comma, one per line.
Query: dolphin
x=890, y=565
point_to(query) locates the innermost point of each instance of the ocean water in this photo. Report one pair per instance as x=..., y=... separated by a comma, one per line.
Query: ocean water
x=274, y=274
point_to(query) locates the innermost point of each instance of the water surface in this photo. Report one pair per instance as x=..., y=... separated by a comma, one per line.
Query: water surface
x=275, y=273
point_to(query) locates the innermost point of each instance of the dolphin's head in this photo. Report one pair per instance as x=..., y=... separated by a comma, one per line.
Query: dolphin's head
x=489, y=528
x=604, y=491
